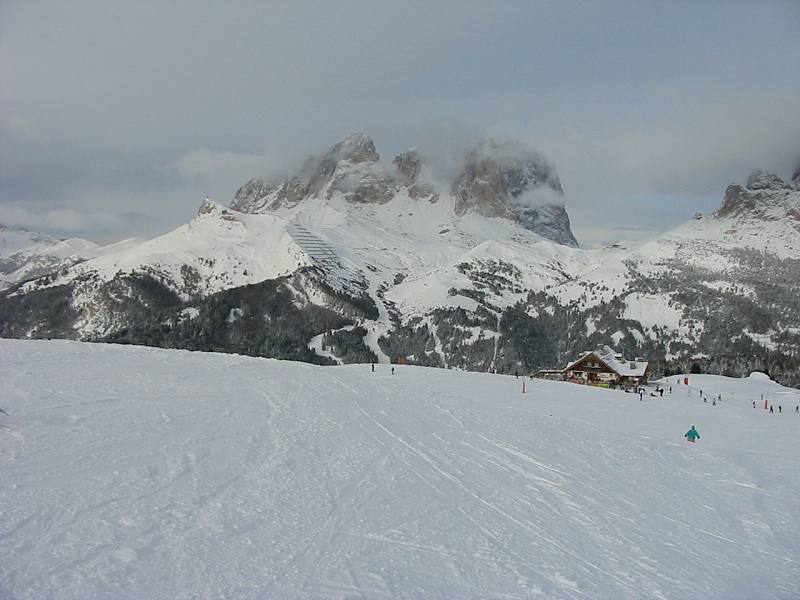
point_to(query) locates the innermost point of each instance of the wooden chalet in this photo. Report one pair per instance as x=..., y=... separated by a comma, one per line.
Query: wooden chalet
x=606, y=368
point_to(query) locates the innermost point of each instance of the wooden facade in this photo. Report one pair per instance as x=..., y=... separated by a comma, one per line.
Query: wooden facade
x=606, y=368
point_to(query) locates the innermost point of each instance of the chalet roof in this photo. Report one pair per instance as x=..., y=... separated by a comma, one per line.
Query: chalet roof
x=626, y=368
x=615, y=361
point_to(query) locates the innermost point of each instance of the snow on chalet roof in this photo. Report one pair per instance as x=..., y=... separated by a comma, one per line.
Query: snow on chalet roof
x=626, y=368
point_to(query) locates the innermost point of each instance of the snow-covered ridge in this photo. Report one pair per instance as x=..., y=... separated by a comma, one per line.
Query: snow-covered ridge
x=224, y=249
x=27, y=255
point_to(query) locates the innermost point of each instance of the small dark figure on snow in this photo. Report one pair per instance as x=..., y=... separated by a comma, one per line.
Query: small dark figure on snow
x=770, y=409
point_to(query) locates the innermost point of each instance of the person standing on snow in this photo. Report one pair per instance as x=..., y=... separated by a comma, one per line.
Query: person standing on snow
x=692, y=435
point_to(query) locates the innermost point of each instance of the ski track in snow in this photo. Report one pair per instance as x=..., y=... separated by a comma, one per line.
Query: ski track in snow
x=143, y=473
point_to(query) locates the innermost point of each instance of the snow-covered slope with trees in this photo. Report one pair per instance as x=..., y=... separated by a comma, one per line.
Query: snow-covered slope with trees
x=133, y=472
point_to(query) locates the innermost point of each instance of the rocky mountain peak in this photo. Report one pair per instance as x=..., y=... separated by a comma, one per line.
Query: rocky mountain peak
x=499, y=179
x=352, y=168
x=507, y=179
x=765, y=196
x=207, y=207
x=355, y=148
x=498, y=172
x=763, y=180
x=343, y=165
x=409, y=168
x=252, y=197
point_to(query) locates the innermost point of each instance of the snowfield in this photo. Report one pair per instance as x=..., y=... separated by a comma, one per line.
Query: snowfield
x=132, y=472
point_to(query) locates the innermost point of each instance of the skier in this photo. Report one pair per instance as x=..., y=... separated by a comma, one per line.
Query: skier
x=692, y=435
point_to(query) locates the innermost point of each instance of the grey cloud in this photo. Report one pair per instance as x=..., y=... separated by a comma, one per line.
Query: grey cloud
x=107, y=106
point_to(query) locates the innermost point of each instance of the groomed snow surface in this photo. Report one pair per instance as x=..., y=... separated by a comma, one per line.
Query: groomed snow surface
x=133, y=472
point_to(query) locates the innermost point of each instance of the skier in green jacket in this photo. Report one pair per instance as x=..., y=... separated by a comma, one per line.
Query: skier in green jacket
x=692, y=435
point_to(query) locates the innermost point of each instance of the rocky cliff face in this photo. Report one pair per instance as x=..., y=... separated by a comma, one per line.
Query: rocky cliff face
x=351, y=168
x=499, y=180
x=765, y=197
x=409, y=169
x=497, y=172
x=504, y=179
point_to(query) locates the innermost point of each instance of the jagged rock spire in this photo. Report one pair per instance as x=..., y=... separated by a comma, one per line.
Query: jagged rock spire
x=765, y=196
x=507, y=179
x=499, y=179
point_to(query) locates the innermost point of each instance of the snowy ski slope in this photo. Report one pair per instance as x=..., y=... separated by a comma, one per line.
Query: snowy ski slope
x=135, y=472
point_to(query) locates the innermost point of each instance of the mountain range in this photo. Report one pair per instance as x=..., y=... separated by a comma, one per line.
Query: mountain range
x=355, y=260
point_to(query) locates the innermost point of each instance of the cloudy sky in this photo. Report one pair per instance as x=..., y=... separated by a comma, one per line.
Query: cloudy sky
x=117, y=118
